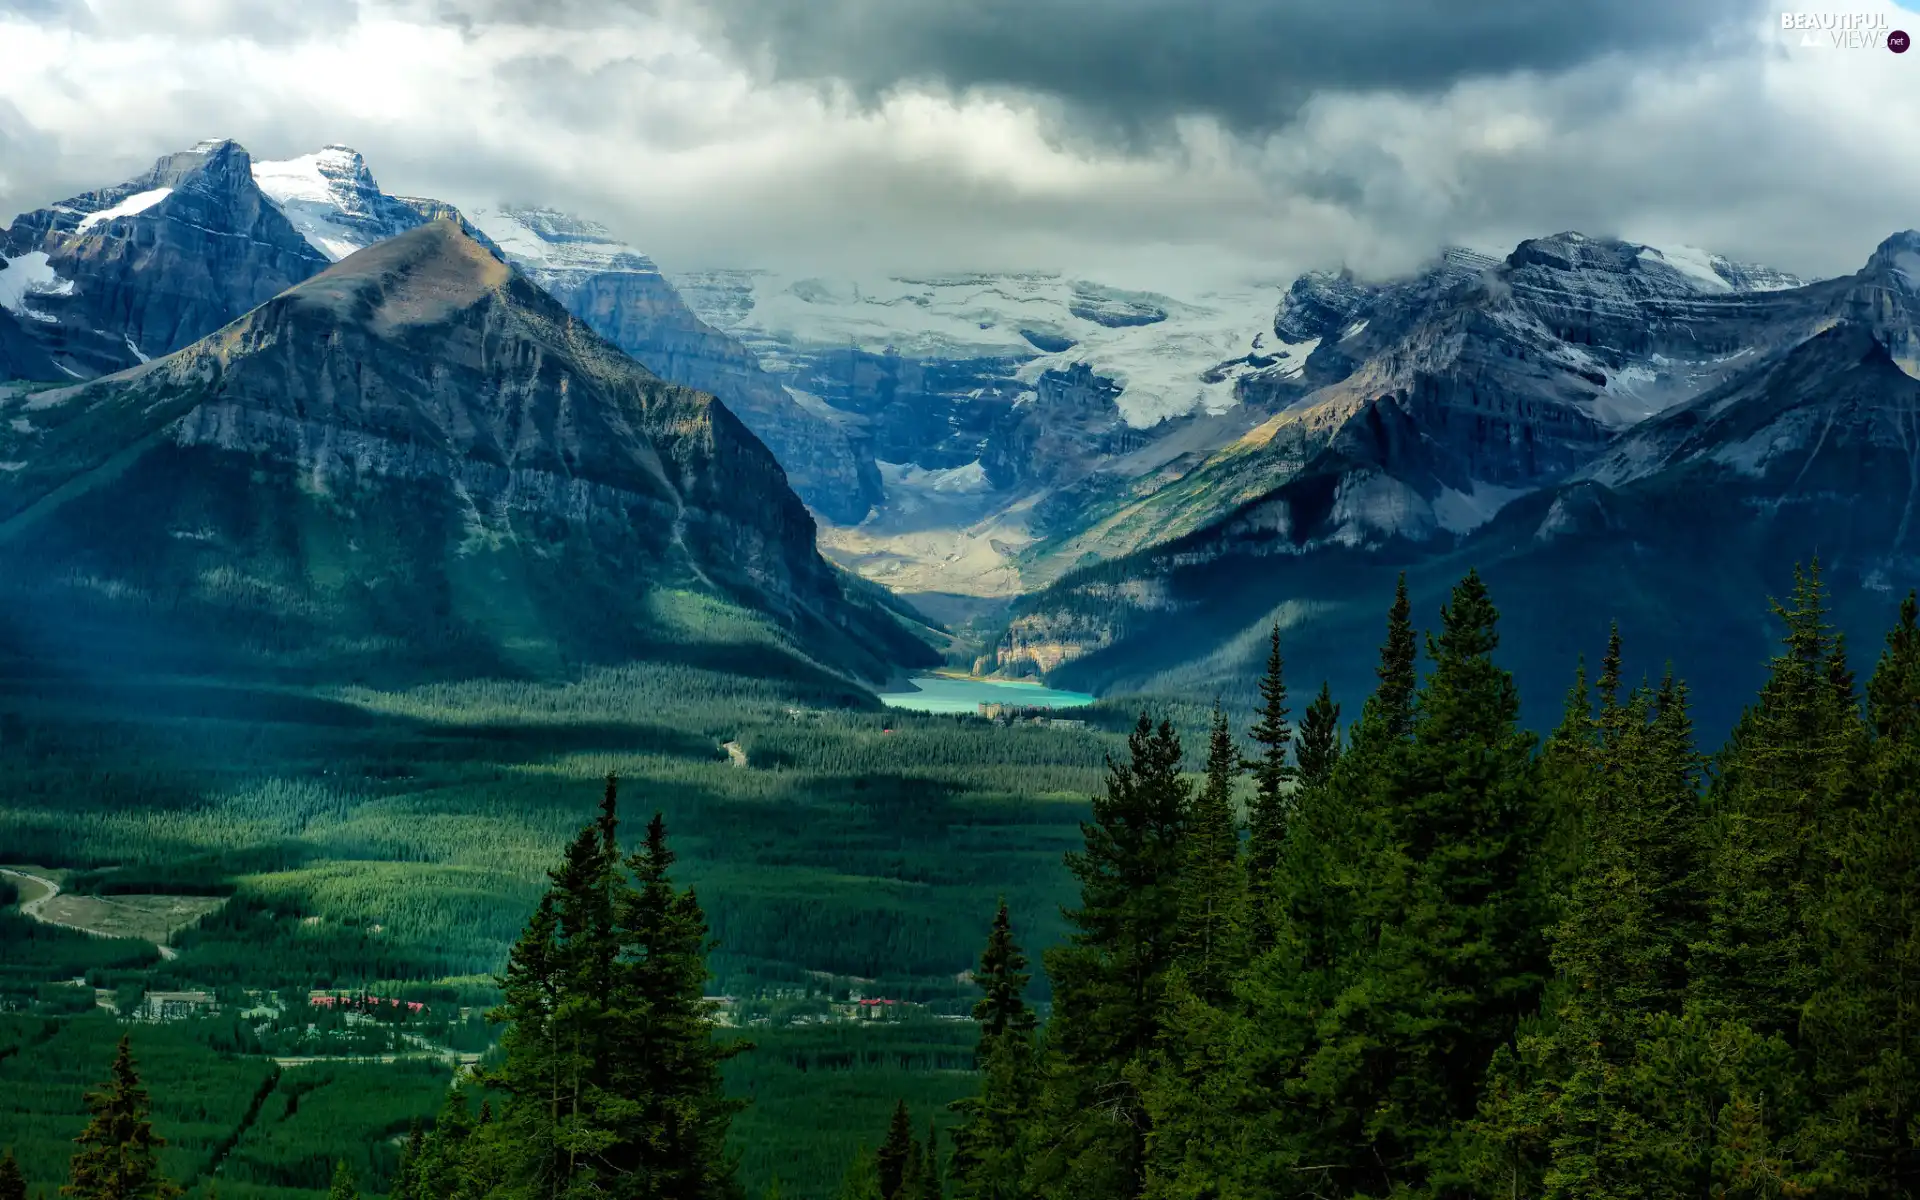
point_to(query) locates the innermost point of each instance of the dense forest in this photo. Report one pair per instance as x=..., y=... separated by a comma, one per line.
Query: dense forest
x=1424, y=953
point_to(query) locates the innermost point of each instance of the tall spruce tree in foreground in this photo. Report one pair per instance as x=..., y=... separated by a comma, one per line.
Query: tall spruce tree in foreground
x=894, y=1164
x=1319, y=746
x=343, y=1186
x=1458, y=958
x=119, y=1155
x=989, y=1144
x=1788, y=774
x=1864, y=1022
x=1272, y=774
x=1109, y=980
x=610, y=1069
x=13, y=1185
x=1213, y=883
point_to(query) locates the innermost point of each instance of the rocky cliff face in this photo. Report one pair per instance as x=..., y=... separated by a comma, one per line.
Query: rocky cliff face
x=1578, y=363
x=620, y=294
x=421, y=450
x=136, y=271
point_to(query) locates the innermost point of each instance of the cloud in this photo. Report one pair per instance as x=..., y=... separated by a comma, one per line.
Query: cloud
x=1251, y=63
x=669, y=125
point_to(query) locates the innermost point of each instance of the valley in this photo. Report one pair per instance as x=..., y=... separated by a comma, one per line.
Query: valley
x=350, y=542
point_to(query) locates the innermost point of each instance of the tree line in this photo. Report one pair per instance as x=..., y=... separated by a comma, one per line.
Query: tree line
x=1437, y=958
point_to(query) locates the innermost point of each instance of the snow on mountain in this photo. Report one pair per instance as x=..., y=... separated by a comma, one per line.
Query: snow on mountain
x=136, y=203
x=1169, y=356
x=27, y=276
x=333, y=200
x=558, y=250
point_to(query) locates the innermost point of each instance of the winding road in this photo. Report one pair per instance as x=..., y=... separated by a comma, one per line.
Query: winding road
x=31, y=909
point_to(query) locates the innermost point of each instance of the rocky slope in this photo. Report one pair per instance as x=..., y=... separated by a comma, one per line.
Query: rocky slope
x=110, y=278
x=417, y=457
x=621, y=294
x=1518, y=398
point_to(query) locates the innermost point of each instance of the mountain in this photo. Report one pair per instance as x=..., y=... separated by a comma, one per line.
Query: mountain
x=416, y=458
x=332, y=197
x=1479, y=438
x=995, y=401
x=619, y=292
x=110, y=278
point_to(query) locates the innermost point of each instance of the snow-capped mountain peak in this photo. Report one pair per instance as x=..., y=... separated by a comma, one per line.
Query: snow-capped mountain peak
x=333, y=200
x=556, y=249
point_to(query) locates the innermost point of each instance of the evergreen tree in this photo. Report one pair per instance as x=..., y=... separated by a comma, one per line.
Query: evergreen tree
x=445, y=1170
x=1267, y=816
x=1319, y=747
x=1786, y=778
x=13, y=1185
x=119, y=1155
x=1388, y=714
x=988, y=1146
x=1458, y=958
x=1110, y=978
x=406, y=1177
x=1864, y=1023
x=665, y=1059
x=929, y=1178
x=862, y=1180
x=1212, y=919
x=899, y=1153
x=1002, y=979
x=343, y=1188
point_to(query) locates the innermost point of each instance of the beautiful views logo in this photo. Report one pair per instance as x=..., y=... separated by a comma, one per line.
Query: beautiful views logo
x=1848, y=31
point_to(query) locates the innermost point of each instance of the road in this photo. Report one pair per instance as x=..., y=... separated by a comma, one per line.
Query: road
x=32, y=909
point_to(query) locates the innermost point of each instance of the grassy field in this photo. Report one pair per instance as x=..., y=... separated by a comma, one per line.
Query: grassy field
x=146, y=918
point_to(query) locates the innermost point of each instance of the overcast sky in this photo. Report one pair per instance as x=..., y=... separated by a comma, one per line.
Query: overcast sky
x=1160, y=143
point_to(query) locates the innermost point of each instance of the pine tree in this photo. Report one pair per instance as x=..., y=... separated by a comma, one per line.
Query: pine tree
x=929, y=1178
x=1388, y=714
x=893, y=1165
x=1110, y=979
x=1864, y=1023
x=1212, y=916
x=862, y=1181
x=13, y=1185
x=1319, y=747
x=119, y=1155
x=1458, y=958
x=1002, y=978
x=665, y=1060
x=988, y=1160
x=343, y=1188
x=1267, y=816
x=1788, y=774
x=406, y=1177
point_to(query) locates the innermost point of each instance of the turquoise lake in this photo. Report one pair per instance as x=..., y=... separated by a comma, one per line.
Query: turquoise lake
x=939, y=694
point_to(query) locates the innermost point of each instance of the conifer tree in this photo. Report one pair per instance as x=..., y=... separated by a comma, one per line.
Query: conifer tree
x=1212, y=917
x=929, y=1179
x=1319, y=747
x=1789, y=772
x=406, y=1182
x=1002, y=978
x=988, y=1160
x=1388, y=714
x=343, y=1187
x=1110, y=978
x=665, y=1058
x=1458, y=958
x=1267, y=815
x=1864, y=1022
x=13, y=1185
x=895, y=1162
x=119, y=1155
x=862, y=1181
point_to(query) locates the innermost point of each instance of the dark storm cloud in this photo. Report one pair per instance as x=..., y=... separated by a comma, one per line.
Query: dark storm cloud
x=1249, y=62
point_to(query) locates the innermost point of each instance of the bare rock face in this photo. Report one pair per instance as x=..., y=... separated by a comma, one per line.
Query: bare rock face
x=142, y=269
x=420, y=449
x=622, y=296
x=1667, y=415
